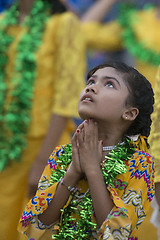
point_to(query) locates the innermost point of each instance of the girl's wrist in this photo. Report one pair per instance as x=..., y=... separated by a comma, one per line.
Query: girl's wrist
x=77, y=175
x=93, y=172
x=68, y=187
x=71, y=178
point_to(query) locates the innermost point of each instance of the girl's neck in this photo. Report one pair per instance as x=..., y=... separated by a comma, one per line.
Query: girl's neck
x=110, y=136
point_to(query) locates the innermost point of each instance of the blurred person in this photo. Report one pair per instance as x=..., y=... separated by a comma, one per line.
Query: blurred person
x=40, y=45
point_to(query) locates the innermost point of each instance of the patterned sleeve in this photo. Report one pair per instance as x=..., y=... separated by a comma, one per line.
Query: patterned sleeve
x=106, y=36
x=70, y=66
x=131, y=204
x=29, y=223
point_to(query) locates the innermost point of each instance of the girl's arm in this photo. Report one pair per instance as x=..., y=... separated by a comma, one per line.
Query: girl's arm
x=98, y=11
x=72, y=176
x=53, y=212
x=90, y=151
x=102, y=202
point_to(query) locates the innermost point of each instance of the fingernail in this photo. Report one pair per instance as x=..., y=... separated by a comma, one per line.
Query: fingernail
x=78, y=131
x=86, y=121
x=102, y=141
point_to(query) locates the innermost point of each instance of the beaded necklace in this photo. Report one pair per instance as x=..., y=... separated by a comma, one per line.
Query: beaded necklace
x=15, y=117
x=136, y=48
x=109, y=148
x=82, y=226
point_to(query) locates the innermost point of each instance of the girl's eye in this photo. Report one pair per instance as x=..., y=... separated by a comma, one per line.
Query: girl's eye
x=109, y=84
x=90, y=82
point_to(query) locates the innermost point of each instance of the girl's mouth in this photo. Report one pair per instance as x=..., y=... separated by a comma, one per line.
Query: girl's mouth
x=87, y=98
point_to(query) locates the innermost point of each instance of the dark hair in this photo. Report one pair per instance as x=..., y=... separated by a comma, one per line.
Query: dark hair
x=141, y=96
x=57, y=6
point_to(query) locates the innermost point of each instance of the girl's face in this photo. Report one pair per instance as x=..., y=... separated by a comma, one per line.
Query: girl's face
x=104, y=97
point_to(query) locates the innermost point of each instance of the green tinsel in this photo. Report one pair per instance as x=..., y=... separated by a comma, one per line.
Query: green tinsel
x=15, y=118
x=82, y=227
x=114, y=162
x=136, y=48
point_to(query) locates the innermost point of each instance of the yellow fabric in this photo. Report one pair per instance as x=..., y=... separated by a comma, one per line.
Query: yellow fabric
x=61, y=68
x=154, y=138
x=141, y=143
x=147, y=231
x=145, y=28
x=131, y=195
x=103, y=36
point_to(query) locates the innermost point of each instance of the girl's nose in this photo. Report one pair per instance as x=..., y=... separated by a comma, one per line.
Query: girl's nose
x=91, y=88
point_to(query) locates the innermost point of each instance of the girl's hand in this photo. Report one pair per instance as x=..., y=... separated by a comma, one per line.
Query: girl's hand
x=90, y=148
x=75, y=168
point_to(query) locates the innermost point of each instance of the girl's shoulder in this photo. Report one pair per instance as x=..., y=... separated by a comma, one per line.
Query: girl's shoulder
x=139, y=152
x=141, y=163
x=142, y=155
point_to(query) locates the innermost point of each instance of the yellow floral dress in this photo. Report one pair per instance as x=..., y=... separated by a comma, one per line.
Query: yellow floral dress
x=131, y=194
x=60, y=79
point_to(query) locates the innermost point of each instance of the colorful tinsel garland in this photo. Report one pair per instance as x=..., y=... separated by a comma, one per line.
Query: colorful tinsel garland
x=15, y=117
x=81, y=227
x=136, y=48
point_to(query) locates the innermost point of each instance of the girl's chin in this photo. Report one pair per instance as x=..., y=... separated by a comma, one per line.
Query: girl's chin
x=85, y=116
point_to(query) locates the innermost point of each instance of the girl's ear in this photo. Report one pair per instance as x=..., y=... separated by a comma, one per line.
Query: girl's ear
x=130, y=114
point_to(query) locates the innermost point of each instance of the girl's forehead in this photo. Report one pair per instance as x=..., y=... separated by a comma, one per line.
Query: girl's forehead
x=109, y=72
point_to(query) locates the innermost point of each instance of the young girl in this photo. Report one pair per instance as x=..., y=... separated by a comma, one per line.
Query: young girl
x=101, y=186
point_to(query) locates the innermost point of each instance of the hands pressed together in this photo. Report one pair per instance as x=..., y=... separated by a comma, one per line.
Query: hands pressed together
x=86, y=149
x=86, y=159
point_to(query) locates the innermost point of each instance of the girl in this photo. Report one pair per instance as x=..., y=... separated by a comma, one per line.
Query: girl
x=101, y=186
